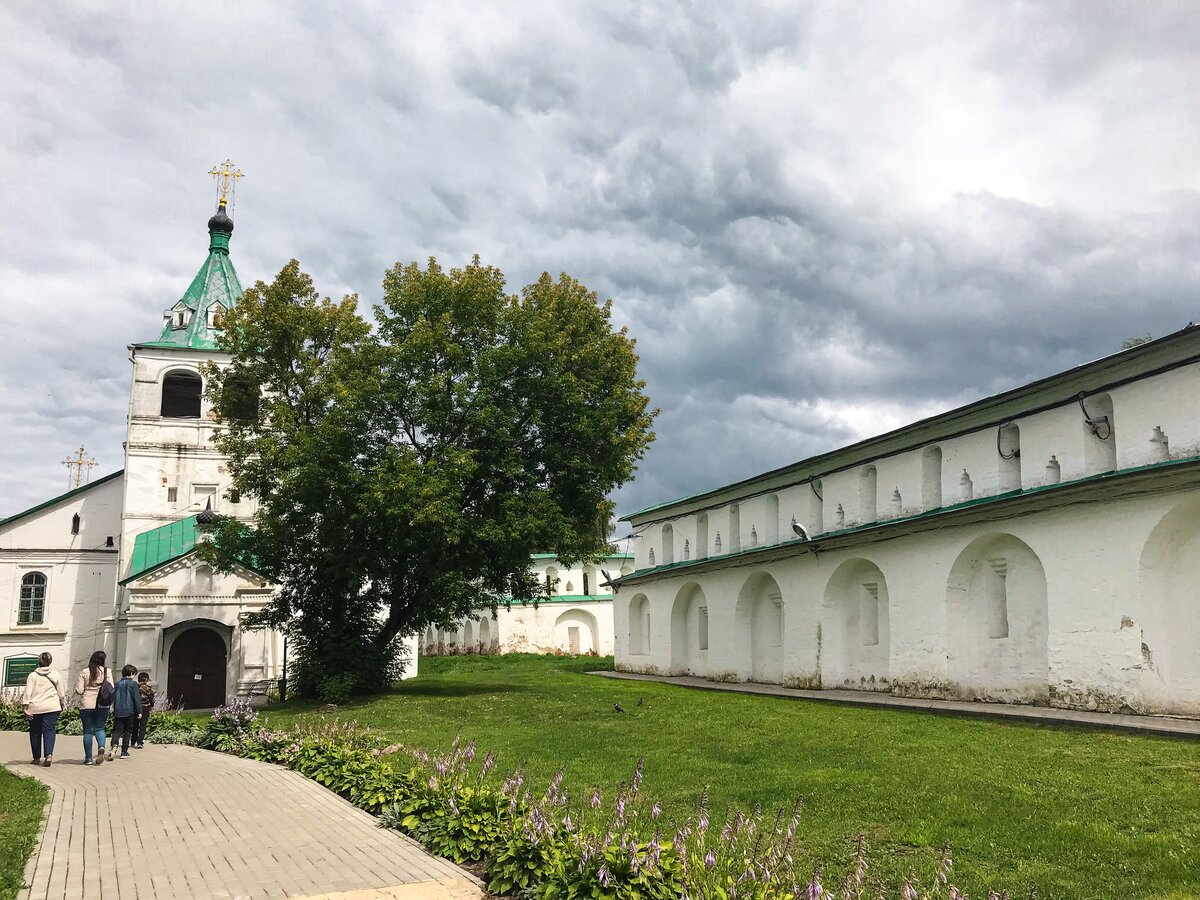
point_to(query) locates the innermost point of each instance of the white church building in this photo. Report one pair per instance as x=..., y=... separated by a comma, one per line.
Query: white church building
x=112, y=565
x=1040, y=546
x=574, y=618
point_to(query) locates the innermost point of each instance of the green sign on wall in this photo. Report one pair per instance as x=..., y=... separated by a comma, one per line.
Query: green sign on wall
x=17, y=669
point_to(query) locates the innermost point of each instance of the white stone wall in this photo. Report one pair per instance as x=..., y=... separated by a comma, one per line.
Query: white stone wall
x=80, y=571
x=1086, y=602
x=1100, y=603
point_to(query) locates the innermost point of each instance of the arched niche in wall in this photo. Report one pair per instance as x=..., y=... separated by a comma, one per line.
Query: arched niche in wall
x=639, y=625
x=689, y=631
x=485, y=634
x=468, y=636
x=856, y=628
x=1099, y=434
x=868, y=495
x=668, y=545
x=552, y=580
x=701, y=549
x=1008, y=448
x=931, y=478
x=735, y=528
x=771, y=519
x=576, y=632
x=997, y=621
x=1169, y=616
x=758, y=628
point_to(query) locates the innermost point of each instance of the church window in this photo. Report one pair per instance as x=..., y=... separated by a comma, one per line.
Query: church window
x=215, y=311
x=172, y=495
x=181, y=396
x=110, y=541
x=75, y=524
x=179, y=318
x=32, y=608
x=203, y=495
x=586, y=585
x=551, y=579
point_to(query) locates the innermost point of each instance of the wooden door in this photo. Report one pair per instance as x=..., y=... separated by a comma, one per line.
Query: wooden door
x=196, y=669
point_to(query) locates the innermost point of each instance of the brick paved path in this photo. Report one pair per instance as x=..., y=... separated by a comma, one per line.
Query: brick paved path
x=177, y=822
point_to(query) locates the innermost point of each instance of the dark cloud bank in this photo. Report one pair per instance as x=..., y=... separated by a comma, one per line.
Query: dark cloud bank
x=819, y=224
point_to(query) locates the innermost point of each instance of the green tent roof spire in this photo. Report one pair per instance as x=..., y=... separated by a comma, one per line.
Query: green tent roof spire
x=193, y=323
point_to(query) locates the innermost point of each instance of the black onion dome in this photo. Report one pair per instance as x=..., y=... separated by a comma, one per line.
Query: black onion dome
x=206, y=516
x=220, y=223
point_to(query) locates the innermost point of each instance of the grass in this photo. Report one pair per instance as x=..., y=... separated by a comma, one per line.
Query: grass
x=21, y=803
x=1080, y=813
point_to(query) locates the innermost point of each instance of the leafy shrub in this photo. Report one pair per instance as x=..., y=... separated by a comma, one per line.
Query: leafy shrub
x=228, y=725
x=337, y=689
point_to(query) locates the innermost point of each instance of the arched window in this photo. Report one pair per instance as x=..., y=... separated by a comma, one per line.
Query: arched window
x=551, y=579
x=931, y=478
x=32, y=608
x=181, y=396
x=868, y=494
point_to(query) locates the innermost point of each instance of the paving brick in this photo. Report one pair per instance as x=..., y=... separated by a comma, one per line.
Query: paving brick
x=178, y=822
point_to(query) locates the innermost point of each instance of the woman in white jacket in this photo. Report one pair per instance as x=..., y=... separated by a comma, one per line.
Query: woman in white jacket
x=43, y=701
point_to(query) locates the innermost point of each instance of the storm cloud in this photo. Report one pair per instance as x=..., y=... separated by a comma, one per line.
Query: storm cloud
x=819, y=221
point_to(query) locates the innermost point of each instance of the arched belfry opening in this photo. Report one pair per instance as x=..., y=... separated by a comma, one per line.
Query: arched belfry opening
x=181, y=393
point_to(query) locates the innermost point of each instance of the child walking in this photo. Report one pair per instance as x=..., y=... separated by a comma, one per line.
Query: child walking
x=147, y=694
x=127, y=709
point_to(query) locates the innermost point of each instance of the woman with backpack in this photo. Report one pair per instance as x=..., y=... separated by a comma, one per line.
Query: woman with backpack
x=95, y=686
x=43, y=701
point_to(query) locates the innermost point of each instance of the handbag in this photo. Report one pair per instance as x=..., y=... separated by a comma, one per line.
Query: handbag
x=107, y=693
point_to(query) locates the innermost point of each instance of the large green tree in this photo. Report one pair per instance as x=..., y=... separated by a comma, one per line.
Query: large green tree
x=403, y=473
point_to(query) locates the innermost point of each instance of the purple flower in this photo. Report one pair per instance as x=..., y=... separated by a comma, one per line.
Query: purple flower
x=596, y=799
x=710, y=860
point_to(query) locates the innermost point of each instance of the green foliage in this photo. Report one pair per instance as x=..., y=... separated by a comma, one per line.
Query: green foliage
x=227, y=728
x=621, y=870
x=336, y=688
x=21, y=804
x=466, y=825
x=521, y=859
x=404, y=476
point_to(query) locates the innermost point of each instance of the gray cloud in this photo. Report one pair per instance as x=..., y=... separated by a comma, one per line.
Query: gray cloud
x=819, y=223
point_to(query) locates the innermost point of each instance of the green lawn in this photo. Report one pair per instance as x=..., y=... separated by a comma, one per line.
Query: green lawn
x=21, y=803
x=1081, y=813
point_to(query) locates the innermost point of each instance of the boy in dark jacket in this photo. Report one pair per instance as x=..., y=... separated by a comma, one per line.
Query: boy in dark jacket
x=147, y=694
x=127, y=709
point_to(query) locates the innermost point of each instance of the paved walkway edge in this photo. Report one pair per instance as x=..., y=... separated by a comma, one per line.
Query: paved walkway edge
x=1163, y=726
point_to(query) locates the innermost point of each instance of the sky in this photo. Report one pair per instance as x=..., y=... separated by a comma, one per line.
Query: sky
x=820, y=221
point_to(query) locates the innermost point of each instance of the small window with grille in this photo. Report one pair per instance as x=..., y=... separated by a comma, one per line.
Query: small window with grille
x=32, y=607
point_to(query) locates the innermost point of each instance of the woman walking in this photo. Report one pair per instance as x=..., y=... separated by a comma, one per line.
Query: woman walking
x=95, y=686
x=43, y=702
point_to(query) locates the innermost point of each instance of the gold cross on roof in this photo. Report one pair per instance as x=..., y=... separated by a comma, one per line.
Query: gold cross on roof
x=226, y=175
x=77, y=462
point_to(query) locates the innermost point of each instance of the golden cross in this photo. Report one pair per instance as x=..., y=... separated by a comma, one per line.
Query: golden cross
x=226, y=175
x=78, y=463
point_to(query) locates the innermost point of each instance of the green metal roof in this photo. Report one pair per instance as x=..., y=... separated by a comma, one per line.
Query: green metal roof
x=606, y=555
x=161, y=545
x=61, y=497
x=216, y=283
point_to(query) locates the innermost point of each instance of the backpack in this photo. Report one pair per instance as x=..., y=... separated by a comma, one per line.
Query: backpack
x=107, y=693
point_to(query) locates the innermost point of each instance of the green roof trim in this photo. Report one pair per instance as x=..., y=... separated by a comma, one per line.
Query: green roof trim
x=817, y=540
x=216, y=284
x=159, y=546
x=559, y=598
x=74, y=492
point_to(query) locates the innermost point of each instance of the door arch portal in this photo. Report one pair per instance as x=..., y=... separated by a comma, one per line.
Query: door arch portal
x=196, y=669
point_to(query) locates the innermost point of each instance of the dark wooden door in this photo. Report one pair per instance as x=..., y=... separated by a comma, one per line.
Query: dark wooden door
x=196, y=669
